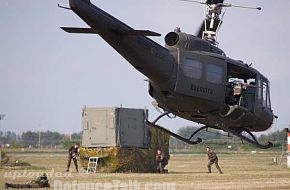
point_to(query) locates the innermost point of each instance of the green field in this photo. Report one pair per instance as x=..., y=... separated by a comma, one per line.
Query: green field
x=241, y=171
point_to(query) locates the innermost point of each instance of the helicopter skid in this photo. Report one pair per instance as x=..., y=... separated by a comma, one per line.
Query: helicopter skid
x=188, y=141
x=238, y=133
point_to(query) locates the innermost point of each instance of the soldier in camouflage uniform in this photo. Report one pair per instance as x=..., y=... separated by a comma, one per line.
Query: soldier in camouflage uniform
x=162, y=161
x=212, y=159
x=40, y=182
x=73, y=154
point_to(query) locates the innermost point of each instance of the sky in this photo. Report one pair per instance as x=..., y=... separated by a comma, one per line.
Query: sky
x=47, y=75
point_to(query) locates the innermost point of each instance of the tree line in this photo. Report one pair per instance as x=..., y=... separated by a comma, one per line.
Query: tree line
x=34, y=139
x=211, y=137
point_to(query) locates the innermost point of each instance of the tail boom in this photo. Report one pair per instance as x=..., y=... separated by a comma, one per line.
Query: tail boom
x=148, y=57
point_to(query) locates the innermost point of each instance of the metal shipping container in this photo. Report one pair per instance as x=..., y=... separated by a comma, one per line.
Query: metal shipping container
x=114, y=127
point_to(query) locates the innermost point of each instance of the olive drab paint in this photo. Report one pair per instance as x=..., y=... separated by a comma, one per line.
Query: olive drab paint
x=190, y=77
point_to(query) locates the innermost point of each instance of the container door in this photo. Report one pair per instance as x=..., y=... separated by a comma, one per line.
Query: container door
x=101, y=126
x=132, y=130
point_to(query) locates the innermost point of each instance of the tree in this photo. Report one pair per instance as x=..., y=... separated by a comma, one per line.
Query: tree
x=76, y=136
x=277, y=136
x=30, y=138
x=187, y=131
x=8, y=137
x=49, y=138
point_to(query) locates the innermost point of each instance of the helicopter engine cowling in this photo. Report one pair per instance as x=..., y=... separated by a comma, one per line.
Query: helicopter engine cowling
x=189, y=42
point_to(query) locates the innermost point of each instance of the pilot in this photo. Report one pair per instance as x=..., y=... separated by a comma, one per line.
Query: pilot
x=212, y=159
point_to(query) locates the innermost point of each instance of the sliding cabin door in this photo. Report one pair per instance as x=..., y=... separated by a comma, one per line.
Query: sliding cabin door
x=201, y=76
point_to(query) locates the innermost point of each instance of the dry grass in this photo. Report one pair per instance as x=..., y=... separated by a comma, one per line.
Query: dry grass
x=241, y=171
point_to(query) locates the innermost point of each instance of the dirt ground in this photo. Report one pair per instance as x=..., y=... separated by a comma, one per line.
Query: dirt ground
x=241, y=171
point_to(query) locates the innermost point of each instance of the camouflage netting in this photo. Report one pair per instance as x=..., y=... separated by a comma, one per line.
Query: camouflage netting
x=137, y=160
x=8, y=162
x=4, y=158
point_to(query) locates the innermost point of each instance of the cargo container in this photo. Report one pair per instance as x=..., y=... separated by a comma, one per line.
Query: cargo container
x=114, y=127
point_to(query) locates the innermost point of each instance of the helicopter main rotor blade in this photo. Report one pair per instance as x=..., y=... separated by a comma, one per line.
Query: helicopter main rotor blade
x=192, y=1
x=207, y=2
x=210, y=2
x=243, y=7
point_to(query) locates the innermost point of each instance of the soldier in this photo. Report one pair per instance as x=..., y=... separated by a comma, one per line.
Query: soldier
x=73, y=154
x=40, y=182
x=161, y=160
x=213, y=159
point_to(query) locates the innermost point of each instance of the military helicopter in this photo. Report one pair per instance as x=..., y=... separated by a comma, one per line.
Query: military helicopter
x=191, y=77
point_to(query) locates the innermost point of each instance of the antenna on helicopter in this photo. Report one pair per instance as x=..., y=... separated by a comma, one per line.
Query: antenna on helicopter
x=209, y=29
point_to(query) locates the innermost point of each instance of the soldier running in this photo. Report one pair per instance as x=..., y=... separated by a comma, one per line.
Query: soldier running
x=40, y=182
x=161, y=160
x=73, y=154
x=213, y=159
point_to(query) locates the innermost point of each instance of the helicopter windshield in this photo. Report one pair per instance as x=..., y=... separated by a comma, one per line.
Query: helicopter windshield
x=265, y=89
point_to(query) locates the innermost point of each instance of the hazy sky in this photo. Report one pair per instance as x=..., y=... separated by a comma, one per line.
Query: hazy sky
x=47, y=75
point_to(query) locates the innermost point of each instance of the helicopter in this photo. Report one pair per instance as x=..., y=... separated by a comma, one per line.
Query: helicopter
x=191, y=77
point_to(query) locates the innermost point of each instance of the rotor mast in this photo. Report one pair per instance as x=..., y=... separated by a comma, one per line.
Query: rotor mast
x=213, y=18
x=212, y=22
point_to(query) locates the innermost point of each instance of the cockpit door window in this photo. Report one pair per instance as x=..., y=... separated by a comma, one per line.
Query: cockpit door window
x=192, y=68
x=214, y=73
x=266, y=94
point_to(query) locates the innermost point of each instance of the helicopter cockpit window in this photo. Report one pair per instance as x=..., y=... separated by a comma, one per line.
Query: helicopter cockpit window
x=214, y=73
x=266, y=95
x=264, y=92
x=192, y=68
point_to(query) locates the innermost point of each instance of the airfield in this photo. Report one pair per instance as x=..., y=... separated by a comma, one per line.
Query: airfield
x=186, y=171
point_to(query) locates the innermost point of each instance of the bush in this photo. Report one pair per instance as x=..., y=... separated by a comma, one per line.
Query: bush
x=5, y=158
x=19, y=163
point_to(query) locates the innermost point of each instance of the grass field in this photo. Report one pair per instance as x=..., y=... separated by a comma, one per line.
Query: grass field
x=241, y=171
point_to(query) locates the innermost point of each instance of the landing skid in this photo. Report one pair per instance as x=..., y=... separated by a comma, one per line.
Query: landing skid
x=188, y=141
x=252, y=140
x=162, y=115
x=153, y=124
